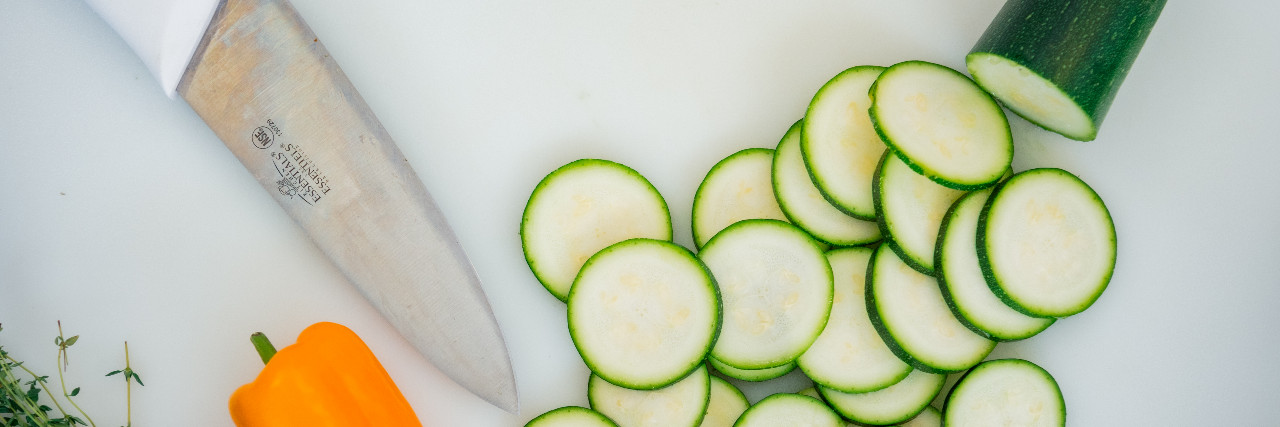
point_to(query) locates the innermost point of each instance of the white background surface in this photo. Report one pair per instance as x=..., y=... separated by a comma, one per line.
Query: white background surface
x=125, y=218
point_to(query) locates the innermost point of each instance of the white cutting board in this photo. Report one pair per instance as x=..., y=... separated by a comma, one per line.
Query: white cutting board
x=125, y=218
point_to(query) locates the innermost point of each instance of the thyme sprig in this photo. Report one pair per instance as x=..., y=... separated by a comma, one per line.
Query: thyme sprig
x=22, y=391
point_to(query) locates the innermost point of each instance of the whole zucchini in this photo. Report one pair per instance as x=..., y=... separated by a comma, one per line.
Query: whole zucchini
x=1058, y=63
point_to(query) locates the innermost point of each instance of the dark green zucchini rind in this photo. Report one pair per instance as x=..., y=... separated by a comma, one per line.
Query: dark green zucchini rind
x=1082, y=49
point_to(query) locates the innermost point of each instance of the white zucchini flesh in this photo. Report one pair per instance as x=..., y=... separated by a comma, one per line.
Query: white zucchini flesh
x=643, y=313
x=682, y=404
x=942, y=124
x=804, y=205
x=929, y=417
x=1046, y=243
x=753, y=375
x=738, y=187
x=909, y=209
x=1030, y=95
x=788, y=409
x=849, y=355
x=908, y=310
x=1005, y=392
x=839, y=143
x=894, y=404
x=726, y=405
x=963, y=286
x=579, y=209
x=811, y=392
x=776, y=289
x=571, y=416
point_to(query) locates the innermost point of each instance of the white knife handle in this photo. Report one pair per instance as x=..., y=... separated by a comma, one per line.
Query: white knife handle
x=164, y=33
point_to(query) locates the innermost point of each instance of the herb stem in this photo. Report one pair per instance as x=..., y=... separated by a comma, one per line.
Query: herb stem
x=62, y=363
x=128, y=389
x=20, y=397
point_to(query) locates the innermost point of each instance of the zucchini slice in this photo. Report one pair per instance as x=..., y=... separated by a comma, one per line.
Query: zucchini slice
x=776, y=288
x=789, y=409
x=1059, y=64
x=909, y=210
x=738, y=187
x=849, y=355
x=643, y=313
x=804, y=205
x=963, y=286
x=1046, y=243
x=941, y=124
x=682, y=404
x=571, y=416
x=1005, y=392
x=908, y=311
x=726, y=405
x=929, y=417
x=839, y=144
x=579, y=209
x=894, y=404
x=753, y=375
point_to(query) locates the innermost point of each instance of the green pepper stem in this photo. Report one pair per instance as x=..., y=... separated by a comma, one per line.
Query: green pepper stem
x=263, y=345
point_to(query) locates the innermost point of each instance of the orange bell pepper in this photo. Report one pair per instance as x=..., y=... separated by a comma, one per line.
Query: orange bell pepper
x=328, y=378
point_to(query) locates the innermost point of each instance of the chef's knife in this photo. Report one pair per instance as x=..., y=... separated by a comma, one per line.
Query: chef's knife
x=264, y=83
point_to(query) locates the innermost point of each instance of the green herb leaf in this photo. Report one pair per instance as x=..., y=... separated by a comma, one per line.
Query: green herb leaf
x=70, y=341
x=114, y=372
x=75, y=391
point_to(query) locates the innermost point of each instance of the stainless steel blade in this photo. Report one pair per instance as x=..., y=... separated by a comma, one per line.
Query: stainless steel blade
x=269, y=89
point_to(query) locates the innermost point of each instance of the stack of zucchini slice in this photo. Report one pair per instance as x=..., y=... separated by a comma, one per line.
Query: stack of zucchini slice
x=883, y=244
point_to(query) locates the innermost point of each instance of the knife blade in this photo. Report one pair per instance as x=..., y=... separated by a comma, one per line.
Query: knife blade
x=265, y=84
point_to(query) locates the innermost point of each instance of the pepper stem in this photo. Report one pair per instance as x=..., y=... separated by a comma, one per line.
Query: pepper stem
x=263, y=345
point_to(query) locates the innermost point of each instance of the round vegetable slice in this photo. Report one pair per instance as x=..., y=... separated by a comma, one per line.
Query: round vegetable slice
x=753, y=375
x=929, y=417
x=849, y=355
x=1046, y=243
x=643, y=313
x=909, y=210
x=775, y=284
x=963, y=286
x=682, y=404
x=788, y=409
x=738, y=187
x=941, y=124
x=571, y=416
x=839, y=143
x=804, y=205
x=1006, y=392
x=583, y=207
x=894, y=404
x=726, y=405
x=911, y=316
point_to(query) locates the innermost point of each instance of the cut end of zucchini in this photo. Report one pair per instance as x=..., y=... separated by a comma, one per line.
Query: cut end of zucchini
x=1031, y=96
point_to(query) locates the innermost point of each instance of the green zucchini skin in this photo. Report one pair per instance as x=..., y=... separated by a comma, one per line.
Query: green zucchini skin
x=1086, y=48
